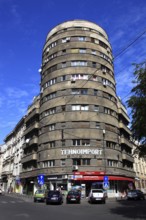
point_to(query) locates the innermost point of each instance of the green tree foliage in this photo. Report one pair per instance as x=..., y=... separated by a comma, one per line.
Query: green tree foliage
x=137, y=103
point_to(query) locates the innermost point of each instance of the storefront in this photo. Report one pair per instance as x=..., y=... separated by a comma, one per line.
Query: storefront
x=116, y=184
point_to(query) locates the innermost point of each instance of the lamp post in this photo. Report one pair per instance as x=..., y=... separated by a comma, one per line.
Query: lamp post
x=104, y=153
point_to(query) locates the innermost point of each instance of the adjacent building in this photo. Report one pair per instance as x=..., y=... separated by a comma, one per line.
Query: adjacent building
x=30, y=148
x=12, y=154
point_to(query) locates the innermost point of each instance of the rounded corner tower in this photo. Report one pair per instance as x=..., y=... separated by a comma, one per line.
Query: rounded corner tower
x=79, y=127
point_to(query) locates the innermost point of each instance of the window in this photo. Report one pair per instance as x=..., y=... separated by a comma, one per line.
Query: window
x=84, y=91
x=51, y=163
x=63, y=142
x=82, y=50
x=63, y=162
x=79, y=63
x=81, y=38
x=75, y=91
x=63, y=78
x=93, y=52
x=75, y=107
x=66, y=39
x=86, y=142
x=95, y=78
x=84, y=107
x=79, y=76
x=95, y=92
x=112, y=163
x=63, y=64
x=110, y=144
x=97, y=125
x=83, y=142
x=80, y=107
x=52, y=111
x=102, y=44
x=52, y=144
x=63, y=51
x=76, y=161
x=85, y=161
x=52, y=127
x=96, y=108
x=94, y=64
x=76, y=142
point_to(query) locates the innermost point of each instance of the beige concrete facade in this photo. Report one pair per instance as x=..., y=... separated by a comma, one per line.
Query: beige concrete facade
x=83, y=125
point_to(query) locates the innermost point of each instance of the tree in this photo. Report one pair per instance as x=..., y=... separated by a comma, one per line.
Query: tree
x=137, y=103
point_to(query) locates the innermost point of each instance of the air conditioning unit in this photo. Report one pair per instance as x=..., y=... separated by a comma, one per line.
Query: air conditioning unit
x=75, y=167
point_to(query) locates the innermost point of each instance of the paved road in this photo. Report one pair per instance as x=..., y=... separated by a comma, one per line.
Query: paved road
x=12, y=208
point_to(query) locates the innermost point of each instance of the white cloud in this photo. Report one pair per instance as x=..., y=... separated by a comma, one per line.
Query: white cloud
x=16, y=93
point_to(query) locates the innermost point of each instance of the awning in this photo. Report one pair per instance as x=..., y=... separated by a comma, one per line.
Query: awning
x=79, y=177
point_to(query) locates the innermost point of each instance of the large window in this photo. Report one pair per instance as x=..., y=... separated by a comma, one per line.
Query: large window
x=80, y=76
x=52, y=127
x=63, y=162
x=112, y=163
x=79, y=63
x=81, y=38
x=79, y=91
x=80, y=107
x=49, y=163
x=81, y=142
x=85, y=161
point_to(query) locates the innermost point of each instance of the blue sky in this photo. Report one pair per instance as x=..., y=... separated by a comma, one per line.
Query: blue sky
x=24, y=25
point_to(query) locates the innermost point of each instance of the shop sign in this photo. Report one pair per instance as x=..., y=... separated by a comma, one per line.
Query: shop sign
x=88, y=173
x=81, y=151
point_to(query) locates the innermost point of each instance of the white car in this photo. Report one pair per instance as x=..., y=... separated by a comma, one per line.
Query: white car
x=97, y=195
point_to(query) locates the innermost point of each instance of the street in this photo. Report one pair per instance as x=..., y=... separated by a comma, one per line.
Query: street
x=16, y=208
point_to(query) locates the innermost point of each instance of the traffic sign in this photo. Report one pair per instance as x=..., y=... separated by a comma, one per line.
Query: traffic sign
x=105, y=179
x=41, y=179
x=106, y=185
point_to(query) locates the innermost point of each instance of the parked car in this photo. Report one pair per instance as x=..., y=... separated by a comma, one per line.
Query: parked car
x=73, y=196
x=97, y=195
x=54, y=197
x=135, y=195
x=40, y=195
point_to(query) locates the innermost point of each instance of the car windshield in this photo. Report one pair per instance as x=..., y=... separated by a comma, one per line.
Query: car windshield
x=73, y=193
x=97, y=191
x=39, y=192
x=50, y=193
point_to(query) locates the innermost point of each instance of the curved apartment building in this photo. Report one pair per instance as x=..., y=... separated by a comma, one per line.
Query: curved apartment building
x=83, y=133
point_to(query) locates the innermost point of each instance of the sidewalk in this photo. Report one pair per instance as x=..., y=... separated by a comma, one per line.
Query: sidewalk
x=29, y=198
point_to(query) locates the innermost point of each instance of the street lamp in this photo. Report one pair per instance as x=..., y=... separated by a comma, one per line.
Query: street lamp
x=104, y=153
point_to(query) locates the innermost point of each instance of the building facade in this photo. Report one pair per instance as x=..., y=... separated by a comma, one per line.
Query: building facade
x=83, y=126
x=12, y=155
x=30, y=148
x=139, y=168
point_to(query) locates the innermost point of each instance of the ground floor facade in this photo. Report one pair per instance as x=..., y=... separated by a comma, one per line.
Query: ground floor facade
x=83, y=181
